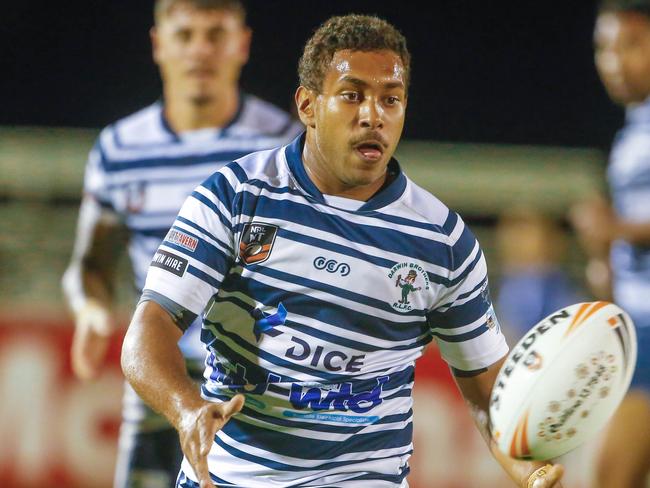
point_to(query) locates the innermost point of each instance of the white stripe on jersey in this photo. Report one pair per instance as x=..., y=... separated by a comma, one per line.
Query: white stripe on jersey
x=321, y=324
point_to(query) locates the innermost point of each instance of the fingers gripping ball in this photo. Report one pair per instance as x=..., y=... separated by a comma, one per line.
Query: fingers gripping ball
x=563, y=380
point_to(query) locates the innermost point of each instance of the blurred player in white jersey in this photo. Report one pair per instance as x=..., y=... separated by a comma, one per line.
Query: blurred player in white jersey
x=138, y=175
x=620, y=232
x=293, y=258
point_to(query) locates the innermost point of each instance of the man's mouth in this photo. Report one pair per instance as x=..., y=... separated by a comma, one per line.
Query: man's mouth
x=200, y=72
x=370, y=150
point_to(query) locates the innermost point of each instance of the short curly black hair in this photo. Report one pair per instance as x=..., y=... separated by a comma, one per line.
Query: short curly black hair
x=640, y=6
x=353, y=32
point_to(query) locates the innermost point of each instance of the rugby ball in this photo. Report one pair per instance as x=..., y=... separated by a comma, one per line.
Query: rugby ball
x=563, y=381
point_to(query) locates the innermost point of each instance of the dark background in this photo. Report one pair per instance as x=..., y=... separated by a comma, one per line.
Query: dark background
x=483, y=71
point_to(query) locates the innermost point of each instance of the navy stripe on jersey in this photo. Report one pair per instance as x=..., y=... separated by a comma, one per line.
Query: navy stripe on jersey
x=331, y=313
x=471, y=311
x=275, y=466
x=208, y=203
x=355, y=322
x=180, y=162
x=224, y=191
x=304, y=448
x=462, y=337
x=200, y=229
x=350, y=324
x=308, y=216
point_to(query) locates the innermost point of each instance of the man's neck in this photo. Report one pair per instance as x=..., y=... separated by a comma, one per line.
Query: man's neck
x=183, y=114
x=322, y=178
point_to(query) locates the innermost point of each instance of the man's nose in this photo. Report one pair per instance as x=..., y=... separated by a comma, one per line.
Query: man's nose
x=371, y=114
x=200, y=47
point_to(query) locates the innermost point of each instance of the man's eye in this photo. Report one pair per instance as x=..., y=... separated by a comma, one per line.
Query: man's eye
x=392, y=100
x=183, y=35
x=351, y=96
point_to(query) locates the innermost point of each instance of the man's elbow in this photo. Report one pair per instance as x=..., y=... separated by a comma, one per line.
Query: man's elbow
x=128, y=354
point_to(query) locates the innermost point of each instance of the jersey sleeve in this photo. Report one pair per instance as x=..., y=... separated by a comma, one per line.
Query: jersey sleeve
x=97, y=179
x=464, y=324
x=198, y=250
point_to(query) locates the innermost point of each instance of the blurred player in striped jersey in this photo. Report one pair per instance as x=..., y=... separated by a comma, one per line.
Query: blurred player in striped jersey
x=622, y=228
x=138, y=175
x=321, y=272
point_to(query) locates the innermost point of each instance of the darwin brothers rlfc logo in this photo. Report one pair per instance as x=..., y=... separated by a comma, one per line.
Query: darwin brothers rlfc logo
x=256, y=242
x=410, y=279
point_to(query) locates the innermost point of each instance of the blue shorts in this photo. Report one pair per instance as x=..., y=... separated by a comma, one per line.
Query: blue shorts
x=641, y=378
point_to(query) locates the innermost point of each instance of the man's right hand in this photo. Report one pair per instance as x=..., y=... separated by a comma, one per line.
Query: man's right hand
x=93, y=329
x=197, y=430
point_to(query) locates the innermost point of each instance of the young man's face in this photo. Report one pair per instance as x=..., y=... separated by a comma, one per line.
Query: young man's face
x=622, y=52
x=200, y=51
x=358, y=117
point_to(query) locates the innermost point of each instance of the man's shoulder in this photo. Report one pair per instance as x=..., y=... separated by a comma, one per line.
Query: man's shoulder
x=265, y=167
x=423, y=203
x=259, y=117
x=141, y=128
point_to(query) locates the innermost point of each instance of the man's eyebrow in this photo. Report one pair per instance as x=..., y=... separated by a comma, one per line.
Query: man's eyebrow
x=361, y=83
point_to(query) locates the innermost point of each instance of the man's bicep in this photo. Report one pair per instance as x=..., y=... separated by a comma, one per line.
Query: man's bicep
x=181, y=316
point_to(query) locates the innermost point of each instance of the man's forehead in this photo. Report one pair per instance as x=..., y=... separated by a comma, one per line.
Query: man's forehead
x=610, y=25
x=185, y=14
x=384, y=65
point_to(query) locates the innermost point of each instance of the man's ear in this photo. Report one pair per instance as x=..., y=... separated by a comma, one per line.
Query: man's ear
x=153, y=35
x=245, y=44
x=305, y=100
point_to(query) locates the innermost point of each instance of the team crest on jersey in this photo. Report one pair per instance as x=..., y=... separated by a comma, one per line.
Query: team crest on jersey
x=410, y=280
x=256, y=242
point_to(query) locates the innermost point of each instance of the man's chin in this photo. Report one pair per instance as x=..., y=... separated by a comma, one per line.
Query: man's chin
x=202, y=99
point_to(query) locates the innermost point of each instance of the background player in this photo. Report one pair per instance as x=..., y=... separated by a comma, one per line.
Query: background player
x=324, y=355
x=138, y=175
x=532, y=283
x=622, y=44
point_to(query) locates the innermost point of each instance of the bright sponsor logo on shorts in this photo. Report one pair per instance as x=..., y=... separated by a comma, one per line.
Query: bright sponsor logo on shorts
x=182, y=239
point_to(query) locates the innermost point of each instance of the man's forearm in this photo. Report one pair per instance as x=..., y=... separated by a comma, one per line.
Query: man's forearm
x=476, y=390
x=154, y=366
x=633, y=232
x=99, y=242
x=518, y=470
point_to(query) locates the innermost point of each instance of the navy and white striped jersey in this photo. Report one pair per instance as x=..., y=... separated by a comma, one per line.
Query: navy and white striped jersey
x=317, y=314
x=629, y=181
x=143, y=171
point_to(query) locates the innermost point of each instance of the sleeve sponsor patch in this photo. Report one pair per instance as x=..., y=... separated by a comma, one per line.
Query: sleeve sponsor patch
x=169, y=262
x=182, y=239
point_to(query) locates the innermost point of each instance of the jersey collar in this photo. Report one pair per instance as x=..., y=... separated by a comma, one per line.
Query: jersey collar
x=384, y=197
x=164, y=123
x=639, y=114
